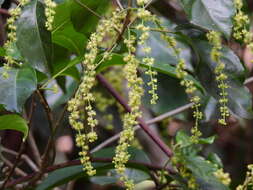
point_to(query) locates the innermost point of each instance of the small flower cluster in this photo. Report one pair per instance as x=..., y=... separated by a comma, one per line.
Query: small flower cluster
x=50, y=12
x=142, y=2
x=248, y=180
x=192, y=184
x=12, y=38
x=241, y=21
x=190, y=88
x=215, y=39
x=80, y=107
x=222, y=176
x=129, y=121
x=149, y=61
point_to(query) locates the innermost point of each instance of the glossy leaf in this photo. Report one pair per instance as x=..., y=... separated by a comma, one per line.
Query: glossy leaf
x=203, y=171
x=63, y=32
x=169, y=99
x=14, y=122
x=64, y=175
x=79, y=11
x=33, y=39
x=162, y=53
x=17, y=88
x=239, y=97
x=164, y=68
x=210, y=14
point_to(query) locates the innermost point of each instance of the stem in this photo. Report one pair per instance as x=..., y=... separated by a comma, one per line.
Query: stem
x=149, y=122
x=142, y=123
x=14, y=166
x=24, y=157
x=77, y=162
x=4, y=12
x=18, y=171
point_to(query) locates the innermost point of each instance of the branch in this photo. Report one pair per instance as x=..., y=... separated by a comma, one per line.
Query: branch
x=23, y=156
x=149, y=122
x=18, y=171
x=142, y=123
x=77, y=162
x=4, y=12
x=14, y=166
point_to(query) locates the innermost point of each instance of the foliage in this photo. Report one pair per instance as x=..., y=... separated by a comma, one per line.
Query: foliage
x=61, y=53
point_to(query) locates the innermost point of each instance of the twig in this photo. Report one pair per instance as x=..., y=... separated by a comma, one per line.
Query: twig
x=47, y=109
x=142, y=124
x=119, y=4
x=149, y=3
x=50, y=143
x=149, y=122
x=34, y=148
x=18, y=171
x=248, y=81
x=14, y=166
x=23, y=156
x=4, y=12
x=77, y=162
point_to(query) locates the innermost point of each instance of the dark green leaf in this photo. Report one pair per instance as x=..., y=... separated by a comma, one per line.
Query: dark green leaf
x=183, y=139
x=164, y=68
x=61, y=176
x=64, y=175
x=17, y=88
x=203, y=172
x=33, y=39
x=62, y=59
x=208, y=140
x=79, y=12
x=239, y=97
x=210, y=14
x=215, y=159
x=63, y=32
x=14, y=122
x=169, y=99
x=163, y=54
x=133, y=174
x=2, y=52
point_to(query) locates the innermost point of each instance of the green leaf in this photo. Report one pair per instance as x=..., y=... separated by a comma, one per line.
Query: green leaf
x=62, y=59
x=215, y=159
x=168, y=99
x=162, y=53
x=208, y=140
x=17, y=88
x=183, y=139
x=2, y=52
x=203, y=172
x=164, y=68
x=239, y=97
x=83, y=20
x=63, y=32
x=33, y=39
x=61, y=176
x=210, y=14
x=133, y=174
x=14, y=122
x=64, y=175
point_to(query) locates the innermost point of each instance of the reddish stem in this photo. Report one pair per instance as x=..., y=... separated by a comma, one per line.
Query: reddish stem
x=142, y=123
